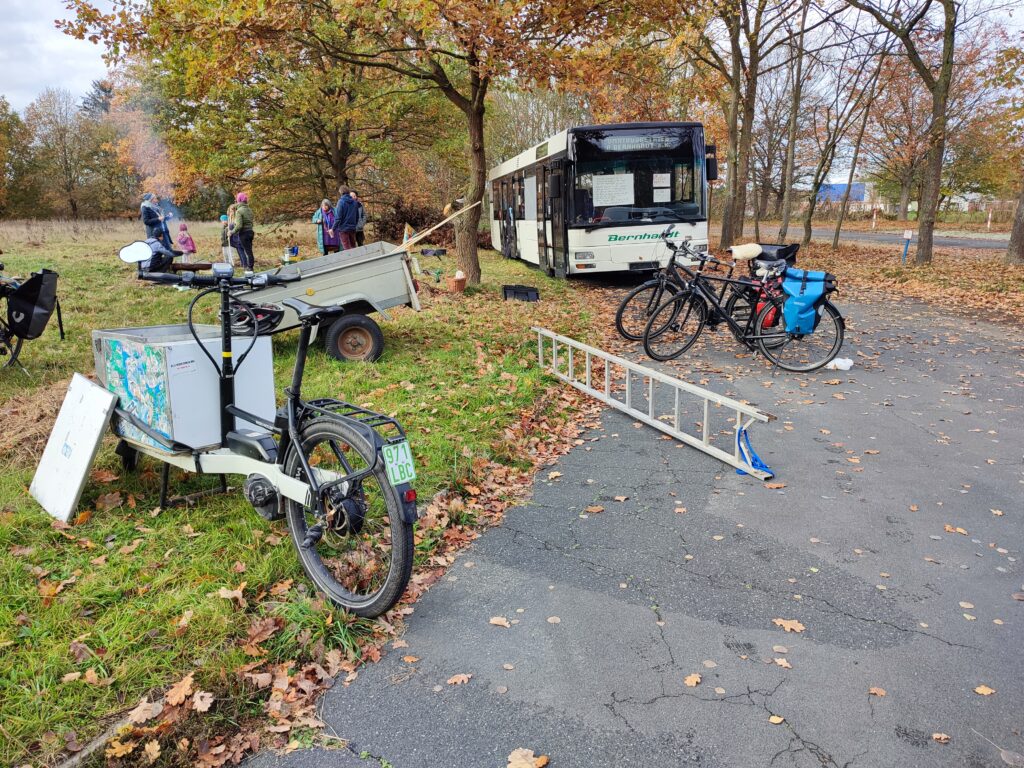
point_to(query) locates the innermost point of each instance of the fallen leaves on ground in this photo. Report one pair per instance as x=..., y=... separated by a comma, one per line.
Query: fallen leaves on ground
x=144, y=711
x=120, y=749
x=876, y=691
x=460, y=679
x=984, y=690
x=692, y=681
x=776, y=719
x=942, y=738
x=108, y=501
x=594, y=509
x=789, y=625
x=500, y=621
x=180, y=690
x=524, y=758
x=152, y=750
x=774, y=486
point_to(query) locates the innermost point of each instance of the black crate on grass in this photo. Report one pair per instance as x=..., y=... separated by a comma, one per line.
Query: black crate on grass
x=520, y=292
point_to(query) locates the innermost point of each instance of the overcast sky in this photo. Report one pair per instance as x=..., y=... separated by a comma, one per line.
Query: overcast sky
x=35, y=55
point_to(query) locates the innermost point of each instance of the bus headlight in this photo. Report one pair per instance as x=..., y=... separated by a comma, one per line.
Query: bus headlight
x=583, y=255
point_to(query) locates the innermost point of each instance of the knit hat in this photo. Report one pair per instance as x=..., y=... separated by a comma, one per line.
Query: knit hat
x=223, y=217
x=241, y=197
x=182, y=227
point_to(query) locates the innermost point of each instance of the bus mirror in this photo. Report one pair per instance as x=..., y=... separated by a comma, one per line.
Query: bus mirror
x=711, y=162
x=555, y=186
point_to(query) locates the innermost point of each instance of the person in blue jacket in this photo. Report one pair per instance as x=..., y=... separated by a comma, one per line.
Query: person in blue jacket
x=346, y=216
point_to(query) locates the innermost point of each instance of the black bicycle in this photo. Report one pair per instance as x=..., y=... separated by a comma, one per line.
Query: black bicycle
x=339, y=473
x=678, y=322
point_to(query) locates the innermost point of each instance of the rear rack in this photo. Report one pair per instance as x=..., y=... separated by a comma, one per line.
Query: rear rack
x=372, y=419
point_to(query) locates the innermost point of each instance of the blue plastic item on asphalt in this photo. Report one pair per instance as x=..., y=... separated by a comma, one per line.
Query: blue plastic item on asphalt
x=749, y=455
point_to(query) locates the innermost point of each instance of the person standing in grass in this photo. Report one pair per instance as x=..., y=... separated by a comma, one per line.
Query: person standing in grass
x=346, y=214
x=226, y=251
x=186, y=244
x=360, y=220
x=327, y=240
x=154, y=220
x=242, y=226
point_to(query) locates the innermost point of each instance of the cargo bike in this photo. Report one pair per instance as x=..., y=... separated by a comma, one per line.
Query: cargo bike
x=341, y=475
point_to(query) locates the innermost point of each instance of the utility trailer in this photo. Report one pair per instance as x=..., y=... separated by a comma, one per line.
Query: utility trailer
x=371, y=278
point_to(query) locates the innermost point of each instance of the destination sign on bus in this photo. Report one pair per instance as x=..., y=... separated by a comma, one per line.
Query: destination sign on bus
x=646, y=142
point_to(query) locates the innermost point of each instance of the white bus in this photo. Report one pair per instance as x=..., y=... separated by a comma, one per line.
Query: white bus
x=596, y=198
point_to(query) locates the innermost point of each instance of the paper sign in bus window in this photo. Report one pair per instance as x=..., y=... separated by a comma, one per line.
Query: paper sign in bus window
x=662, y=195
x=614, y=189
x=662, y=180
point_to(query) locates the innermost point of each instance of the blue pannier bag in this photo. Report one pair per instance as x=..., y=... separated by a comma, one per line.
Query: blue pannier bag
x=805, y=293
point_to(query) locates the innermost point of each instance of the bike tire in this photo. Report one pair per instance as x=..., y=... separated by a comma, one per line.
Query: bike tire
x=638, y=305
x=739, y=306
x=800, y=353
x=675, y=326
x=351, y=557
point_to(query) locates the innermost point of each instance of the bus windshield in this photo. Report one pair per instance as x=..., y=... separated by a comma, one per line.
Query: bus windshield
x=637, y=176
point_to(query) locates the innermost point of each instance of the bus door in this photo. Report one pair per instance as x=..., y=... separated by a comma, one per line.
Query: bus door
x=508, y=220
x=555, y=196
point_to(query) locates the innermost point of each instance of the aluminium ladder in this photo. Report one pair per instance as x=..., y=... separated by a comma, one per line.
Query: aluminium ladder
x=658, y=384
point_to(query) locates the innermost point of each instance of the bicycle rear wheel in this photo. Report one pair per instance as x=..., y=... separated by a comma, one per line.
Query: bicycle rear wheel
x=799, y=353
x=360, y=555
x=675, y=326
x=10, y=346
x=639, y=304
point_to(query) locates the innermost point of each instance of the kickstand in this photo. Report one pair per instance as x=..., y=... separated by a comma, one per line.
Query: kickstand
x=165, y=476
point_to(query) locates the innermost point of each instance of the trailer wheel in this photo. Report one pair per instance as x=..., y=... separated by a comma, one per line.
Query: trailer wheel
x=354, y=337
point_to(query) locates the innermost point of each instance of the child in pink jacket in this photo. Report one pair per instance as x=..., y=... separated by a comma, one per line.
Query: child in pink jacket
x=186, y=244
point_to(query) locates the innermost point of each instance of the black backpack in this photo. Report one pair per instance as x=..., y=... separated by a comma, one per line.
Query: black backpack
x=31, y=304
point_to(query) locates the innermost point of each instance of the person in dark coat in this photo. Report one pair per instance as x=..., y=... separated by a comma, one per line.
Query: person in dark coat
x=155, y=220
x=360, y=220
x=346, y=217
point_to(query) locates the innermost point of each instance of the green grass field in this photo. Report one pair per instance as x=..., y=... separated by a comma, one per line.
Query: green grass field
x=127, y=598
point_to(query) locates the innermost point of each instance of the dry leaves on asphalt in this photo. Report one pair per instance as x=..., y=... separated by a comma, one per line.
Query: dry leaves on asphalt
x=692, y=681
x=594, y=509
x=776, y=719
x=460, y=679
x=790, y=625
x=942, y=738
x=875, y=691
x=782, y=662
x=524, y=758
x=500, y=621
x=774, y=486
x=984, y=690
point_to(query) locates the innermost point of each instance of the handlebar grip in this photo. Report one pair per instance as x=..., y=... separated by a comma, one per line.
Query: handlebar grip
x=159, y=277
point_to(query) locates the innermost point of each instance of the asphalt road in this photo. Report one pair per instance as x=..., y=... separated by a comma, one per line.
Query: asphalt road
x=999, y=243
x=926, y=431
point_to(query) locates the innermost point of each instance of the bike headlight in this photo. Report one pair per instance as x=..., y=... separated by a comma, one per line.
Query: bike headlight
x=583, y=255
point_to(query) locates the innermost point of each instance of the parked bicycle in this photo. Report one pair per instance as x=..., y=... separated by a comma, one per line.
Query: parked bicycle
x=803, y=339
x=339, y=473
x=738, y=298
x=30, y=304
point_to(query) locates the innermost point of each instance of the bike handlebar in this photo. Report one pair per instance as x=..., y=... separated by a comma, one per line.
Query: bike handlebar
x=190, y=279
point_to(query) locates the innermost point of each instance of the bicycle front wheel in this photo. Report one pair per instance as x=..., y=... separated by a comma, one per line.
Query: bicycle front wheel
x=799, y=353
x=675, y=326
x=636, y=309
x=360, y=553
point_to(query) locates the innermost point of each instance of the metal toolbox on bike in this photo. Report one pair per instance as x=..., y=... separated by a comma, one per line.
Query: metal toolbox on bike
x=162, y=377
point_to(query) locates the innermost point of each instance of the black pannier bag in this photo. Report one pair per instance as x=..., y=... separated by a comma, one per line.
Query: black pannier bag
x=32, y=303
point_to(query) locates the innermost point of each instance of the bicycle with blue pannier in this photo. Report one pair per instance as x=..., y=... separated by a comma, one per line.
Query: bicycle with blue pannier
x=794, y=324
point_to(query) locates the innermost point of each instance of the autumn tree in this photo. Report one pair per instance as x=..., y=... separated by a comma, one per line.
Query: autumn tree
x=455, y=48
x=60, y=138
x=1009, y=75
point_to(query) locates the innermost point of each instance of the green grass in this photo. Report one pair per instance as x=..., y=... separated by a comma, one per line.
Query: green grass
x=456, y=375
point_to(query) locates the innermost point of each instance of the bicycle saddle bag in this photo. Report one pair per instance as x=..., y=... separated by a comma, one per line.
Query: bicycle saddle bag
x=805, y=294
x=32, y=303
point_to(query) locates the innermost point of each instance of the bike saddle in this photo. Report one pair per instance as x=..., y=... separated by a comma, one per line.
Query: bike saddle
x=746, y=252
x=312, y=312
x=787, y=252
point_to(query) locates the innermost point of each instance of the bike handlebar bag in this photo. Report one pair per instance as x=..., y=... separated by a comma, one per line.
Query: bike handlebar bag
x=805, y=294
x=30, y=306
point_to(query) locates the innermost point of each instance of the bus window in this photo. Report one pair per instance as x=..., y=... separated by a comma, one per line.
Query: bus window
x=530, y=198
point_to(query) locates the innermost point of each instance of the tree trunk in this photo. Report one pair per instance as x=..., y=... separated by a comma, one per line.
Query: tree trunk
x=743, y=156
x=905, y=189
x=794, y=113
x=928, y=204
x=73, y=204
x=1015, y=253
x=732, y=124
x=466, y=225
